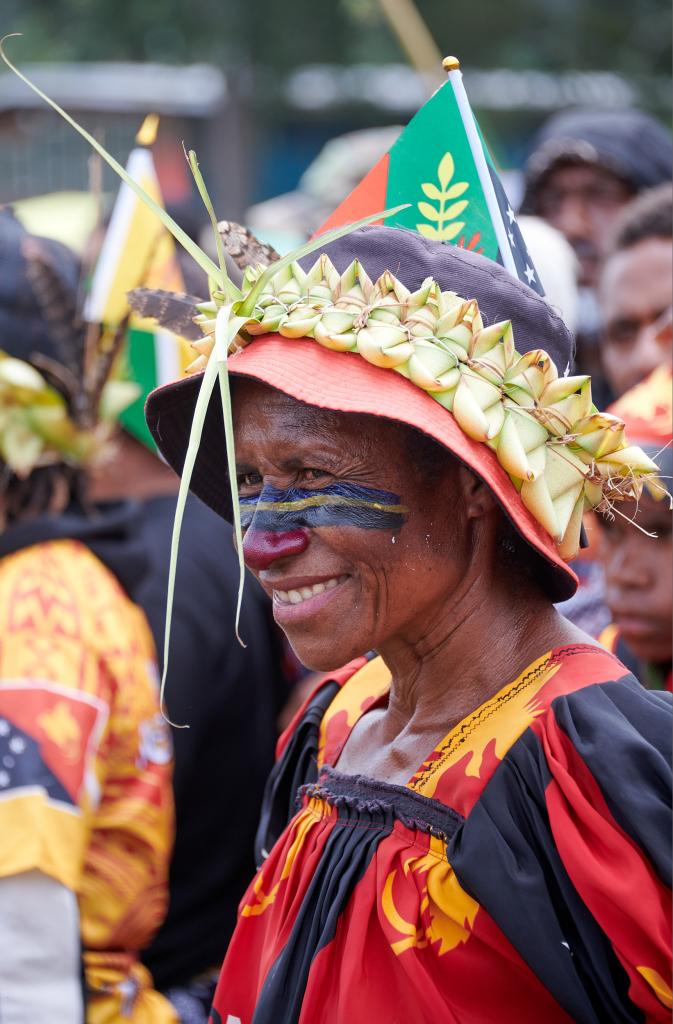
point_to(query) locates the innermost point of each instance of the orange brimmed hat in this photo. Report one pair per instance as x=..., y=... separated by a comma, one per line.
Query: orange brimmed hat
x=482, y=366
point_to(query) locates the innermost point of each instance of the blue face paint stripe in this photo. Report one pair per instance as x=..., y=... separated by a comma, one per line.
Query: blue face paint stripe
x=339, y=504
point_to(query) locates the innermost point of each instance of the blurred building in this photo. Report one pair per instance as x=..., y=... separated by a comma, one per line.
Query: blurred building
x=256, y=129
x=40, y=153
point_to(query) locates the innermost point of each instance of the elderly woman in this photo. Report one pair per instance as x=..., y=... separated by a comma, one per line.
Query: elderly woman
x=469, y=822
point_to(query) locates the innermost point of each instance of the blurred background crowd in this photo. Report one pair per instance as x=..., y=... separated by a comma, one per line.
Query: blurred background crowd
x=115, y=853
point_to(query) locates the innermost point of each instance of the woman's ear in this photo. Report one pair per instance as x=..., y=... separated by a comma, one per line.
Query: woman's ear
x=478, y=498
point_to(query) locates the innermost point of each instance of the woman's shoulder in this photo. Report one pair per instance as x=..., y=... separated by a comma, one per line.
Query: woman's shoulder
x=598, y=760
x=317, y=732
x=574, y=826
x=331, y=692
x=614, y=740
x=620, y=730
x=465, y=760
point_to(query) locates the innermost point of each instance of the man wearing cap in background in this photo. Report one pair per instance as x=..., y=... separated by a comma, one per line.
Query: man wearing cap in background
x=584, y=168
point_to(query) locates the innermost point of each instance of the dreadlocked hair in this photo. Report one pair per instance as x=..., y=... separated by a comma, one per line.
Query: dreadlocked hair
x=45, y=329
x=48, y=490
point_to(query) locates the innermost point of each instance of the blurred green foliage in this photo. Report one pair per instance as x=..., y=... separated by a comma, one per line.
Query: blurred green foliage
x=550, y=34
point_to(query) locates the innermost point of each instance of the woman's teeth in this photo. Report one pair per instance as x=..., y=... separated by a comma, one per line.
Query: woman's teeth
x=304, y=593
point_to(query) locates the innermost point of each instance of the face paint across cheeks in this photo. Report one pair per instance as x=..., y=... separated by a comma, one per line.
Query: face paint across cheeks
x=338, y=504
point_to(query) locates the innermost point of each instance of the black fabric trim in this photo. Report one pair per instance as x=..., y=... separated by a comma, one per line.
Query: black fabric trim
x=297, y=765
x=506, y=859
x=360, y=793
x=348, y=851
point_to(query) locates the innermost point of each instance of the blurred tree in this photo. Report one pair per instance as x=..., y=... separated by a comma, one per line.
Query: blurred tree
x=579, y=34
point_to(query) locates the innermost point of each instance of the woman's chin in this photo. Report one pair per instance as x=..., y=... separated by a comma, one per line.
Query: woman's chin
x=647, y=649
x=322, y=654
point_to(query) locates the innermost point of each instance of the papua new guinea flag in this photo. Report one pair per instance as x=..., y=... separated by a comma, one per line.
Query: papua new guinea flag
x=441, y=166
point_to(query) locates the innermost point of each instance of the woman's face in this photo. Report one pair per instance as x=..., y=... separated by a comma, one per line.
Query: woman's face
x=353, y=542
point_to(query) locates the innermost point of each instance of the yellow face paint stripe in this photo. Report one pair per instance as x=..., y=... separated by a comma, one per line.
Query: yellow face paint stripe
x=332, y=499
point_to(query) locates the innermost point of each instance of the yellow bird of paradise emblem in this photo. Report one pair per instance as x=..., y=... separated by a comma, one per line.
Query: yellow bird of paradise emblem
x=445, y=914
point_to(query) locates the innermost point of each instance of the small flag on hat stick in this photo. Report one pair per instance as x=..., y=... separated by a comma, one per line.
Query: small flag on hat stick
x=138, y=250
x=441, y=165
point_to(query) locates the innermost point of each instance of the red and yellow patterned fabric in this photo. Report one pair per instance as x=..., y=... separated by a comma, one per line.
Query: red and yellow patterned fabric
x=646, y=408
x=515, y=878
x=85, y=763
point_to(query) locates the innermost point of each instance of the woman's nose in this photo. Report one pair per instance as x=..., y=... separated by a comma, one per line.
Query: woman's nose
x=571, y=219
x=625, y=570
x=263, y=547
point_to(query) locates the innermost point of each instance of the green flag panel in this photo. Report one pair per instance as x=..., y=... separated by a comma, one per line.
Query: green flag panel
x=432, y=167
x=142, y=367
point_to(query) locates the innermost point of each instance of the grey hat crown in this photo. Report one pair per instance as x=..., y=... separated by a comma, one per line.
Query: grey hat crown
x=411, y=258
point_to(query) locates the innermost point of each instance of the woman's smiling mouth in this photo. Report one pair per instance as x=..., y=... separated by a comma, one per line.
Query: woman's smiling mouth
x=304, y=597
x=301, y=594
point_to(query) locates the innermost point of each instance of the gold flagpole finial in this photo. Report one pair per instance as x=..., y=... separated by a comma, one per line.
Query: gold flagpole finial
x=148, y=130
x=451, y=64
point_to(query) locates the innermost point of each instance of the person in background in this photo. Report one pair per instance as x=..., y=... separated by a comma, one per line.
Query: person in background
x=585, y=166
x=638, y=562
x=230, y=698
x=86, y=808
x=636, y=291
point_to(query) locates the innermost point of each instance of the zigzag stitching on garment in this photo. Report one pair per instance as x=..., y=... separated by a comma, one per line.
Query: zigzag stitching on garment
x=479, y=716
x=487, y=710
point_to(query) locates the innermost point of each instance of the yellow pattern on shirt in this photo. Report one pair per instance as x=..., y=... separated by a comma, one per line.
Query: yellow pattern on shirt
x=78, y=678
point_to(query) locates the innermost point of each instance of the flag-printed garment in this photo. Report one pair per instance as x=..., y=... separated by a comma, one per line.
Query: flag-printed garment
x=520, y=876
x=441, y=166
x=85, y=763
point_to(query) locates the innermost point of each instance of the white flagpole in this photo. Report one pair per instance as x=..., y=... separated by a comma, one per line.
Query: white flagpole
x=452, y=66
x=140, y=165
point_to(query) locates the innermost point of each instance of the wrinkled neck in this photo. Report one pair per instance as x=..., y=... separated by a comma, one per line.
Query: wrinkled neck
x=481, y=638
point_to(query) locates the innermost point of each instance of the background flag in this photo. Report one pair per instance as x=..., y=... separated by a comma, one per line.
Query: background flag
x=139, y=251
x=441, y=165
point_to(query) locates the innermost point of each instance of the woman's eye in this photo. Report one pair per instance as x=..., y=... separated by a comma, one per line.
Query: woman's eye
x=314, y=474
x=249, y=479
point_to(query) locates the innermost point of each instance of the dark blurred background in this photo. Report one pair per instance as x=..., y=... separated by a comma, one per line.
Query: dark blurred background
x=257, y=87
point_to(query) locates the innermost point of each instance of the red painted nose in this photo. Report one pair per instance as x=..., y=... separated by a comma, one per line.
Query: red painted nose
x=262, y=547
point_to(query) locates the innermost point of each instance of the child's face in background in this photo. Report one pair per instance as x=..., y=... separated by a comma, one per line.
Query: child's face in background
x=639, y=577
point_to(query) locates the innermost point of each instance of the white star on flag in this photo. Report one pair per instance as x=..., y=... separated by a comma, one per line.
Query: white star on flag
x=12, y=746
x=511, y=239
x=530, y=273
x=510, y=214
